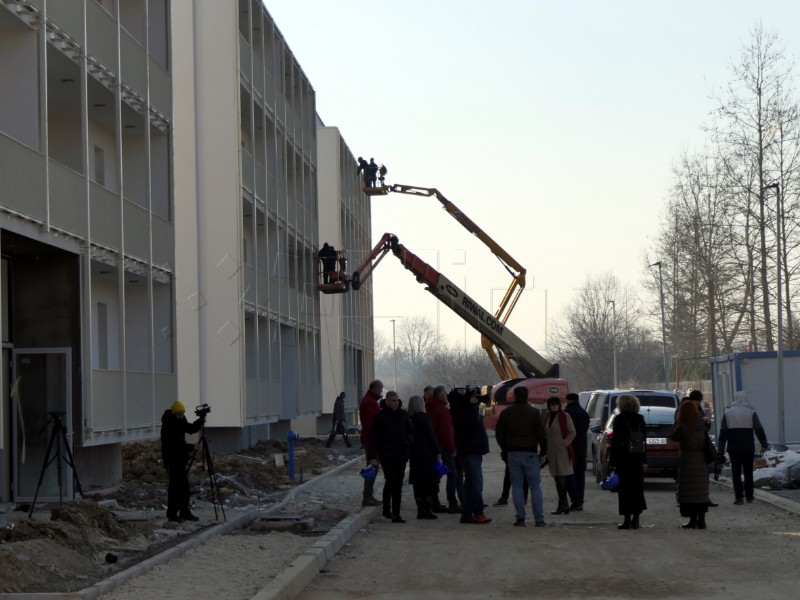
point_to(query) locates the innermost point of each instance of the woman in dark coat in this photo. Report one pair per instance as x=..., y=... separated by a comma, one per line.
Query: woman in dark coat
x=630, y=466
x=690, y=433
x=389, y=440
x=424, y=452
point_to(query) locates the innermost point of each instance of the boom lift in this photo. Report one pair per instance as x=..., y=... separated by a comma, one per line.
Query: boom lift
x=505, y=367
x=536, y=373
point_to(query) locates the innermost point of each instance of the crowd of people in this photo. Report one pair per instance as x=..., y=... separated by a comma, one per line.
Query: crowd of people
x=443, y=436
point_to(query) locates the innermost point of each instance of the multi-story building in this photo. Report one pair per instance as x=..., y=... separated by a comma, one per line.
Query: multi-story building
x=159, y=222
x=249, y=313
x=87, y=235
x=346, y=319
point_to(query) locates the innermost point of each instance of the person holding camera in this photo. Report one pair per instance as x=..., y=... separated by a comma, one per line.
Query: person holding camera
x=176, y=454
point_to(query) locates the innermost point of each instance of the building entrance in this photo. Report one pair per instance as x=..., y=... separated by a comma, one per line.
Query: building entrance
x=42, y=388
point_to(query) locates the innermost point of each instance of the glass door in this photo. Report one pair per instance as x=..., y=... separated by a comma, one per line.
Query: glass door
x=41, y=413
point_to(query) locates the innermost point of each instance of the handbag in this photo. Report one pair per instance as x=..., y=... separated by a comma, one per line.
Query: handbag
x=636, y=442
x=709, y=452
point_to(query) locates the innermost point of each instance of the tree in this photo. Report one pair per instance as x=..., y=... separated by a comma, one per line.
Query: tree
x=756, y=105
x=584, y=339
x=417, y=340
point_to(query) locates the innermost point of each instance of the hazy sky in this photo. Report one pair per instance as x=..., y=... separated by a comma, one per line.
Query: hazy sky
x=552, y=124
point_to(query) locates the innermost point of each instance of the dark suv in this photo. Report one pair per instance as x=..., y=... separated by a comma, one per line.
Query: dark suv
x=663, y=454
x=603, y=402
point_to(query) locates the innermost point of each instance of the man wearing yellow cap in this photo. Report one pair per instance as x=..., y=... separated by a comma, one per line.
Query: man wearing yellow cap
x=176, y=454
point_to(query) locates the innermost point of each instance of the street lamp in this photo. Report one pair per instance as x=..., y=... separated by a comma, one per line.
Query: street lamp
x=781, y=426
x=663, y=323
x=394, y=351
x=614, y=337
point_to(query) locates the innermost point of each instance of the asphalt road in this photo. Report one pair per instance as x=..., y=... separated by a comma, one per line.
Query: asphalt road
x=749, y=551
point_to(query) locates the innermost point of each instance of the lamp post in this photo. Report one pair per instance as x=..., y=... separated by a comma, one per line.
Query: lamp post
x=394, y=351
x=781, y=425
x=663, y=323
x=614, y=337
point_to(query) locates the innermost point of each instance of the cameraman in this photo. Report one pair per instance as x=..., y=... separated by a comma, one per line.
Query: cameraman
x=176, y=454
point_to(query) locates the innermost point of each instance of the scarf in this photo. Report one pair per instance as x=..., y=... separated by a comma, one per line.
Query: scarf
x=562, y=423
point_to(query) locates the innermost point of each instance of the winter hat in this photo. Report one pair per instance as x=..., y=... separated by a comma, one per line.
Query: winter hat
x=177, y=407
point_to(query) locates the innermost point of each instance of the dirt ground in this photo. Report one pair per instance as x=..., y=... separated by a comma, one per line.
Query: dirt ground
x=67, y=548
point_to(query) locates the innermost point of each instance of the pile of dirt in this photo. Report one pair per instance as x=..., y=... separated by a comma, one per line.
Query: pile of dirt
x=88, y=540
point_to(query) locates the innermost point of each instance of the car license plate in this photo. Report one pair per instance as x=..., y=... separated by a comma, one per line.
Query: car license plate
x=657, y=441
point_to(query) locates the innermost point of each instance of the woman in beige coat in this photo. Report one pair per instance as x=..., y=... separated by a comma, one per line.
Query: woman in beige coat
x=560, y=433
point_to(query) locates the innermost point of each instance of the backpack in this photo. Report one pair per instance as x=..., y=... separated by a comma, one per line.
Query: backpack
x=636, y=442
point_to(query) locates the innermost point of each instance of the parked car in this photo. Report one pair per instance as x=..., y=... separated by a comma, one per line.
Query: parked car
x=663, y=455
x=603, y=402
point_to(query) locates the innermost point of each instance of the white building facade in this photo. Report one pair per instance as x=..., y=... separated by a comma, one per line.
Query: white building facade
x=159, y=224
x=87, y=236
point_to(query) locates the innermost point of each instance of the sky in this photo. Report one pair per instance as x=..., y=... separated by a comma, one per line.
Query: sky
x=554, y=125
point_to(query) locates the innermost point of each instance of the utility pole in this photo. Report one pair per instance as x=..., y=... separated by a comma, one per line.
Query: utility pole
x=779, y=213
x=663, y=324
x=394, y=351
x=614, y=336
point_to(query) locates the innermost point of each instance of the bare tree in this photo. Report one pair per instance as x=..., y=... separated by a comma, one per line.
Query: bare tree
x=417, y=339
x=585, y=338
x=753, y=104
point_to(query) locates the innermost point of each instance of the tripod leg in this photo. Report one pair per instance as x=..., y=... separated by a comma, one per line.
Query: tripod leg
x=212, y=479
x=45, y=464
x=71, y=462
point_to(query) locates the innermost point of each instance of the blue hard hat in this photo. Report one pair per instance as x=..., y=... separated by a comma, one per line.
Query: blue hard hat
x=369, y=472
x=611, y=482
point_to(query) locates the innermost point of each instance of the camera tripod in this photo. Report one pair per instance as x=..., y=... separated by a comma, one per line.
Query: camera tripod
x=58, y=438
x=212, y=475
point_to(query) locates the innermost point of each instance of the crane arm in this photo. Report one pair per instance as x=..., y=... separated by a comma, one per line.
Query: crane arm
x=514, y=268
x=508, y=353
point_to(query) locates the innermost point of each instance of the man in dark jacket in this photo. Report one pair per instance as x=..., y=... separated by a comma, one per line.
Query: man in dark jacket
x=389, y=442
x=339, y=424
x=176, y=453
x=367, y=410
x=471, y=444
x=521, y=435
x=580, y=419
x=739, y=423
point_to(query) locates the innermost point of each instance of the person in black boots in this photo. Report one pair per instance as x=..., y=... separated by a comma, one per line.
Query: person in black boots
x=629, y=459
x=424, y=454
x=690, y=433
x=339, y=424
x=176, y=454
x=580, y=419
x=390, y=438
x=560, y=433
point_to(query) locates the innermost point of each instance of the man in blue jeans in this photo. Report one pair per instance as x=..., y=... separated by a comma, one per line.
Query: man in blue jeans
x=521, y=435
x=471, y=444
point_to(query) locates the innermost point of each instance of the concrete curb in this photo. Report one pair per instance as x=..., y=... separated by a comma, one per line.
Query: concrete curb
x=243, y=520
x=305, y=567
x=776, y=501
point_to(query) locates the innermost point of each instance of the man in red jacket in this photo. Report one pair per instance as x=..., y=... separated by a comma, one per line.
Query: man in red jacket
x=367, y=410
x=442, y=422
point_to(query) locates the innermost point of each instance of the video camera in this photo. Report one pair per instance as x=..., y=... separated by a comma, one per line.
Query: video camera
x=202, y=410
x=462, y=395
